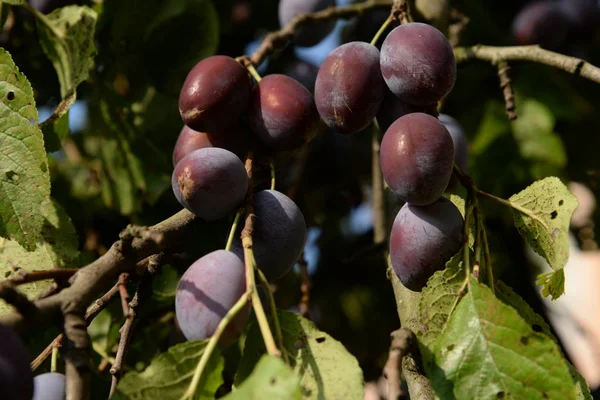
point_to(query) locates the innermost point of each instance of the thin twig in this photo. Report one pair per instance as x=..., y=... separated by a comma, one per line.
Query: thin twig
x=507, y=91
x=23, y=276
x=143, y=292
x=403, y=341
x=305, y=286
x=378, y=198
x=13, y=296
x=123, y=293
x=493, y=55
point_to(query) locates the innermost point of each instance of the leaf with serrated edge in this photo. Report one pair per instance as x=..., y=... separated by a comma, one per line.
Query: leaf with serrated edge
x=489, y=351
x=57, y=249
x=551, y=205
x=170, y=373
x=438, y=298
x=272, y=379
x=538, y=324
x=552, y=283
x=67, y=38
x=24, y=178
x=326, y=369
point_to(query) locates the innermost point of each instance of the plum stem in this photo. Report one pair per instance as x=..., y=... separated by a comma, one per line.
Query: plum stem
x=382, y=29
x=234, y=225
x=272, y=168
x=274, y=315
x=488, y=258
x=253, y=72
x=212, y=344
x=379, y=225
x=54, y=359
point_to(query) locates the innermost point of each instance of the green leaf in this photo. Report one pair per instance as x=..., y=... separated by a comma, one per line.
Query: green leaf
x=170, y=373
x=271, y=379
x=533, y=132
x=543, y=217
x=24, y=178
x=552, y=283
x=326, y=369
x=67, y=38
x=58, y=248
x=439, y=298
x=538, y=324
x=489, y=351
x=460, y=203
x=14, y=2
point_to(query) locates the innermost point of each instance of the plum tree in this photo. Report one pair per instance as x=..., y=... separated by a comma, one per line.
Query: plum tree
x=16, y=378
x=349, y=87
x=461, y=152
x=206, y=292
x=541, y=22
x=215, y=94
x=50, y=386
x=423, y=239
x=307, y=36
x=418, y=64
x=279, y=233
x=417, y=155
x=393, y=108
x=238, y=140
x=282, y=113
x=210, y=182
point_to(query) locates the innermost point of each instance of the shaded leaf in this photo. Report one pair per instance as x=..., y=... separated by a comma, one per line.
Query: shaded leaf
x=67, y=38
x=543, y=218
x=271, y=379
x=326, y=369
x=56, y=127
x=58, y=248
x=489, y=351
x=24, y=178
x=439, y=298
x=170, y=373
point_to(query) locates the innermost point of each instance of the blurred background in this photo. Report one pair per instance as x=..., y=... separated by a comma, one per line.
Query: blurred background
x=114, y=166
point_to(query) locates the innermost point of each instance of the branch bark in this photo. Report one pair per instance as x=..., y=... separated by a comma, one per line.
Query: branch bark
x=494, y=55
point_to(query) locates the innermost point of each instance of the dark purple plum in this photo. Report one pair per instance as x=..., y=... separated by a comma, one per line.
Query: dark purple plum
x=418, y=64
x=16, y=378
x=393, y=108
x=417, y=156
x=282, y=113
x=210, y=182
x=310, y=35
x=47, y=6
x=541, y=22
x=215, y=94
x=206, y=292
x=279, y=234
x=50, y=386
x=423, y=239
x=303, y=72
x=461, y=152
x=583, y=19
x=349, y=87
x=238, y=140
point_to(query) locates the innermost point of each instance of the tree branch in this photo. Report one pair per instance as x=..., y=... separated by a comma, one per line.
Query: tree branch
x=536, y=54
x=279, y=38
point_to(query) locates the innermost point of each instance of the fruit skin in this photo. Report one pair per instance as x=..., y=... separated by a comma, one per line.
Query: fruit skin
x=50, y=386
x=349, y=87
x=393, y=108
x=417, y=64
x=311, y=35
x=215, y=94
x=238, y=140
x=210, y=182
x=279, y=233
x=16, y=378
x=423, y=239
x=417, y=155
x=461, y=151
x=583, y=19
x=206, y=292
x=540, y=22
x=282, y=113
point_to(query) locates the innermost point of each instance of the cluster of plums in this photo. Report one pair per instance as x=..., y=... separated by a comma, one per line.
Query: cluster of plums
x=16, y=378
x=554, y=23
